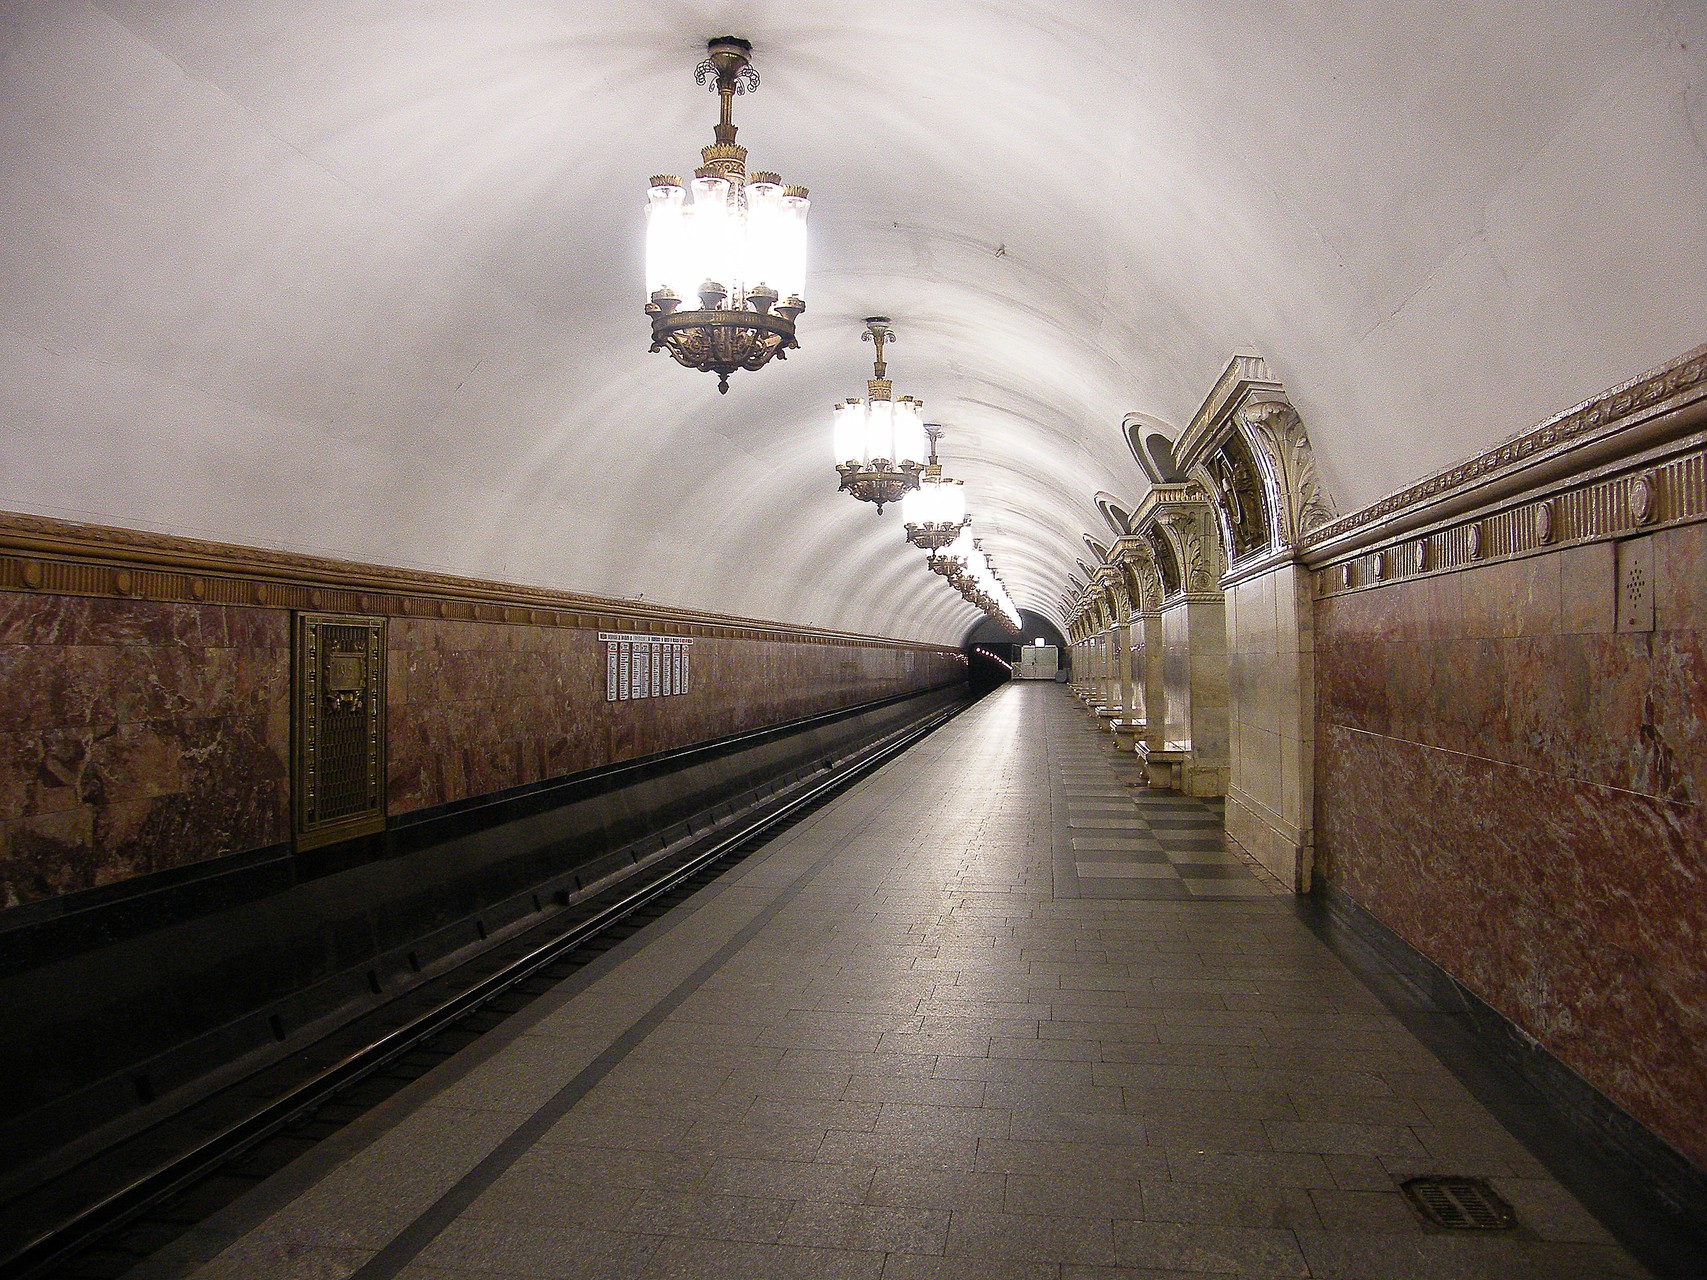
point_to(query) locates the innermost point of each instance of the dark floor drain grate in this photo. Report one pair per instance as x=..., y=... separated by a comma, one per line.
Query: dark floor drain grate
x=1463, y=1204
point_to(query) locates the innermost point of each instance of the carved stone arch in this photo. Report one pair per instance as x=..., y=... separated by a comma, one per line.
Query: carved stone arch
x=1195, y=540
x=1167, y=563
x=1301, y=504
x=1143, y=581
x=1105, y=607
x=1096, y=548
x=1122, y=598
x=1244, y=495
x=1247, y=445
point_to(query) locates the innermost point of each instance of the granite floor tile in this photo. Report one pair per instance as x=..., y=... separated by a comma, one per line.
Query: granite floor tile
x=889, y=1228
x=937, y=1188
x=551, y=1253
x=1010, y=1236
x=1280, y=1208
x=1199, y=1247
x=909, y=1266
x=686, y=1259
x=706, y=1215
x=789, y=1179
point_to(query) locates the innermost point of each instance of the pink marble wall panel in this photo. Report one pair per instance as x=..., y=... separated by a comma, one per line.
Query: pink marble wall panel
x=136, y=737
x=478, y=707
x=1518, y=790
x=140, y=736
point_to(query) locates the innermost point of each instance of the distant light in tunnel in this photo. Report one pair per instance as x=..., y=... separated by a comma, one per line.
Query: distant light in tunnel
x=739, y=247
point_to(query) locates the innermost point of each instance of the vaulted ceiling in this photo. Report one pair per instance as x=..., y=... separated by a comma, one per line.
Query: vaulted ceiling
x=364, y=279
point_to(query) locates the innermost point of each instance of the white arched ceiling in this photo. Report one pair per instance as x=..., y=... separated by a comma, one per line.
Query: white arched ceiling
x=363, y=279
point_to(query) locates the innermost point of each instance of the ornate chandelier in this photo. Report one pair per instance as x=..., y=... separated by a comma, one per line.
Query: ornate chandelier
x=879, y=442
x=953, y=558
x=739, y=248
x=967, y=566
x=935, y=512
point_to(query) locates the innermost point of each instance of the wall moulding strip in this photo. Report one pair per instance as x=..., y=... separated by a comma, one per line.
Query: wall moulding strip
x=1651, y=411
x=45, y=556
x=1662, y=489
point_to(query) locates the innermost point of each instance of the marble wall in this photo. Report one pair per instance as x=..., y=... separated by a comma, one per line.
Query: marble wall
x=1271, y=720
x=136, y=738
x=481, y=707
x=1517, y=789
x=142, y=736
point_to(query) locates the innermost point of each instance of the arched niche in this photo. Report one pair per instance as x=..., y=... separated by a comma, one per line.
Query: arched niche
x=1152, y=444
x=1117, y=514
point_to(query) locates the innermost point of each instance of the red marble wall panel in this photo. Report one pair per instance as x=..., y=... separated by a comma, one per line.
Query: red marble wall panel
x=136, y=737
x=1518, y=790
x=140, y=736
x=480, y=707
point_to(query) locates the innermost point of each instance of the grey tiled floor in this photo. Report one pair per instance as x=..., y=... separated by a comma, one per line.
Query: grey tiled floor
x=1117, y=838
x=914, y=1039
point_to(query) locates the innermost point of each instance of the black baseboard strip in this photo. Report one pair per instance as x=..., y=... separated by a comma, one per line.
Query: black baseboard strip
x=1649, y=1196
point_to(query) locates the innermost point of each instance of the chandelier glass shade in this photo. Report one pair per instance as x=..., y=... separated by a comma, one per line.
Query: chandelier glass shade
x=935, y=512
x=968, y=569
x=879, y=443
x=737, y=248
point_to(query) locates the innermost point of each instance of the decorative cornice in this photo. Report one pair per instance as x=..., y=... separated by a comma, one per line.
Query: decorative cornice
x=43, y=555
x=1675, y=393
x=1661, y=490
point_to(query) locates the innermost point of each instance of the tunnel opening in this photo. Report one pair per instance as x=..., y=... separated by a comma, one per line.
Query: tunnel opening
x=994, y=656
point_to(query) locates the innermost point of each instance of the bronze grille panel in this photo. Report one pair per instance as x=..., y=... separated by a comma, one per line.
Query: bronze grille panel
x=1462, y=1204
x=339, y=727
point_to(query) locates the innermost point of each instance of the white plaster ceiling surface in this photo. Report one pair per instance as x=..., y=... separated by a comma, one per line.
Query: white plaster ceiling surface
x=364, y=279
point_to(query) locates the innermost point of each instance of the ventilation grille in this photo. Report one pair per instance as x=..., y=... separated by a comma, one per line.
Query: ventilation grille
x=1461, y=1204
x=339, y=728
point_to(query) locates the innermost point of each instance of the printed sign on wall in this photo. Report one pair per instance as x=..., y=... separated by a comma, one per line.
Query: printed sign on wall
x=639, y=666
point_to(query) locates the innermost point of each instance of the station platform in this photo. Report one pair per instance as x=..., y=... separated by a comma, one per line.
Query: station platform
x=996, y=1011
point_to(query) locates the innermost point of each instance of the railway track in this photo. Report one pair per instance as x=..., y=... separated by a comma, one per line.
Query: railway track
x=105, y=1217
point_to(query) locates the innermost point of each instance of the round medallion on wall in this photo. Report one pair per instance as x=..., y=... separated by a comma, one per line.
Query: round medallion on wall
x=1379, y=568
x=198, y=588
x=1473, y=537
x=32, y=574
x=261, y=594
x=1642, y=495
x=1345, y=574
x=1420, y=554
x=121, y=581
x=1544, y=523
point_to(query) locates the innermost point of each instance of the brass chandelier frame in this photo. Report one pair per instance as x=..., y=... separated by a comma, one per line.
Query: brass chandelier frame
x=717, y=337
x=881, y=480
x=930, y=536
